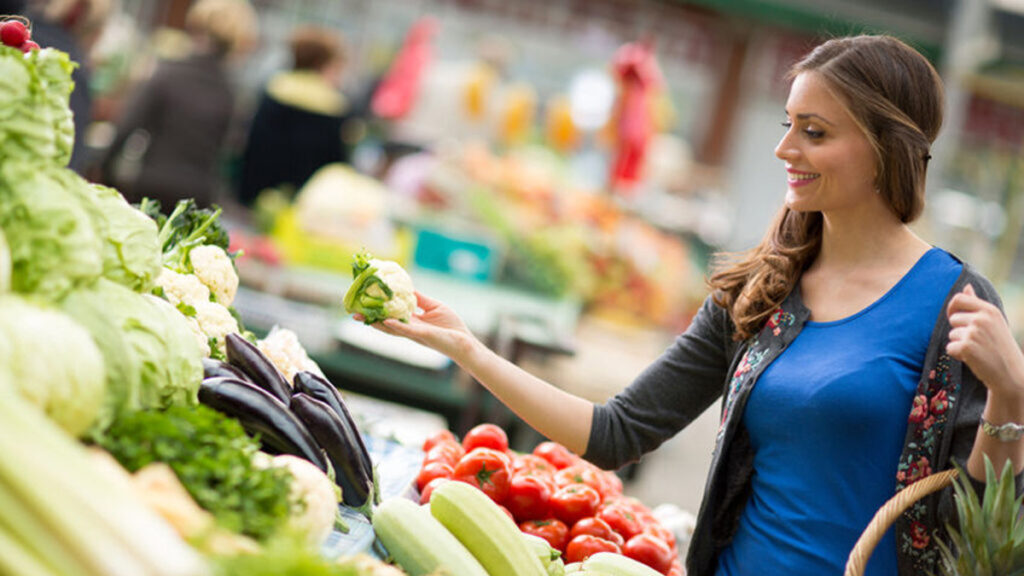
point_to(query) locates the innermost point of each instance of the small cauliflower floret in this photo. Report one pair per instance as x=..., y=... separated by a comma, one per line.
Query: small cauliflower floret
x=283, y=348
x=182, y=288
x=313, y=495
x=212, y=265
x=380, y=289
x=201, y=337
x=216, y=322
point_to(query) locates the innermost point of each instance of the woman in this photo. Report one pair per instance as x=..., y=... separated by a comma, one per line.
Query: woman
x=298, y=125
x=875, y=356
x=186, y=109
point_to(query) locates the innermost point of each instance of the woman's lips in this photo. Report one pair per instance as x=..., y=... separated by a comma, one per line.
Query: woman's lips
x=797, y=178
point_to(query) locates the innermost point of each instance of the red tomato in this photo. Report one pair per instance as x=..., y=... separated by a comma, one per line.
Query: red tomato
x=559, y=456
x=658, y=530
x=488, y=470
x=613, y=484
x=586, y=545
x=528, y=496
x=570, y=503
x=581, y=474
x=595, y=527
x=532, y=463
x=449, y=453
x=437, y=438
x=649, y=550
x=429, y=489
x=621, y=519
x=432, y=470
x=551, y=529
x=485, y=436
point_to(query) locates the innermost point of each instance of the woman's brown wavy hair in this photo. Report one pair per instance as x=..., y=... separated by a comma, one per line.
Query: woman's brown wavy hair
x=896, y=97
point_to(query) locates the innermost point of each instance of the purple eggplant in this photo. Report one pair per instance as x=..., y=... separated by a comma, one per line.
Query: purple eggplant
x=213, y=368
x=262, y=415
x=334, y=437
x=243, y=355
x=318, y=387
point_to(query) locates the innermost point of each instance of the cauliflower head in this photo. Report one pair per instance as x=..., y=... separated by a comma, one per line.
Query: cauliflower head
x=182, y=289
x=216, y=323
x=313, y=496
x=380, y=289
x=283, y=348
x=213, y=267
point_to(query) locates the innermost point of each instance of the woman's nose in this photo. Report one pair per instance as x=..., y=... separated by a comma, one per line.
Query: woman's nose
x=785, y=150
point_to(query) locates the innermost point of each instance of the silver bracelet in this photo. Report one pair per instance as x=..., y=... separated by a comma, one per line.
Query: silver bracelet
x=1009, y=432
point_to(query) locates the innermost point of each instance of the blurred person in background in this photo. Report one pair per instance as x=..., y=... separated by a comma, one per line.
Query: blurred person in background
x=852, y=357
x=180, y=116
x=299, y=122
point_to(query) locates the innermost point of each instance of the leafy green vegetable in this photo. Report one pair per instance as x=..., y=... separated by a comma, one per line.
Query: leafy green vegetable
x=213, y=457
x=35, y=119
x=53, y=240
x=131, y=255
x=185, y=228
x=5, y=264
x=152, y=357
x=70, y=385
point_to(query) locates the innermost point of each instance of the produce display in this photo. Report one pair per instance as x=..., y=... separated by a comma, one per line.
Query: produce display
x=551, y=493
x=146, y=431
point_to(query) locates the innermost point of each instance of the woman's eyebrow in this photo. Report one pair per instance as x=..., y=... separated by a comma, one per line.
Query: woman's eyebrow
x=808, y=116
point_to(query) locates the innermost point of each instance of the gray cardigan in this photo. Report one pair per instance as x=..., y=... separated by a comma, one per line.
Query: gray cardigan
x=704, y=364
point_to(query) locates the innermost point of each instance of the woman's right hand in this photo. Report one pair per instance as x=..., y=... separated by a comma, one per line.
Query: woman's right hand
x=436, y=326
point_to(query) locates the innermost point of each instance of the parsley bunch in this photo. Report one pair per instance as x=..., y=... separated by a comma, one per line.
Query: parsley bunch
x=212, y=456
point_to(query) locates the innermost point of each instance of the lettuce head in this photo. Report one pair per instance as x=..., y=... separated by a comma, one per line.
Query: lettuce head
x=53, y=362
x=52, y=238
x=153, y=358
x=130, y=250
x=36, y=122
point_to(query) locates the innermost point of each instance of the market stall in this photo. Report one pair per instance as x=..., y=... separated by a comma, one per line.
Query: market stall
x=168, y=434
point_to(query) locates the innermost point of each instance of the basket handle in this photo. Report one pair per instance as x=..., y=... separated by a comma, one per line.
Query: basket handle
x=888, y=514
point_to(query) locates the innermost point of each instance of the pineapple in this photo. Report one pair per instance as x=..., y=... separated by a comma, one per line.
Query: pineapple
x=990, y=537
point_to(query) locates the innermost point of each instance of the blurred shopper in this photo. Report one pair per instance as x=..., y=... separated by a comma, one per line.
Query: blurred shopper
x=72, y=26
x=299, y=121
x=853, y=357
x=181, y=114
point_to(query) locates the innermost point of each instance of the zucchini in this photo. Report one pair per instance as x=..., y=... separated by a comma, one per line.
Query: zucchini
x=617, y=564
x=419, y=543
x=485, y=530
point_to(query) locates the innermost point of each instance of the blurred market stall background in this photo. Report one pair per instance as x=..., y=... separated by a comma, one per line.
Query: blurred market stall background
x=559, y=171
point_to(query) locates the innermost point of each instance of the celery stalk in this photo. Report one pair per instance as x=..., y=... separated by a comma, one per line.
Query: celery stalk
x=22, y=526
x=108, y=528
x=15, y=559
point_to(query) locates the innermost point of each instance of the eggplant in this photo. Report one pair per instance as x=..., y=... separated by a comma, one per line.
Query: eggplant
x=243, y=355
x=213, y=368
x=335, y=438
x=263, y=415
x=318, y=387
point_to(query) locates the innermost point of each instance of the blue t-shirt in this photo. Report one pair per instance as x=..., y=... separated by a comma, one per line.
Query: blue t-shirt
x=827, y=421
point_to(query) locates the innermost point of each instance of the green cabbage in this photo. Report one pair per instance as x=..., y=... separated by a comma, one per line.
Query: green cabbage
x=5, y=264
x=53, y=362
x=153, y=360
x=131, y=252
x=35, y=120
x=53, y=241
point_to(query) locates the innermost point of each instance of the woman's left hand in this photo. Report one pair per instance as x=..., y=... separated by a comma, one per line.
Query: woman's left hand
x=981, y=338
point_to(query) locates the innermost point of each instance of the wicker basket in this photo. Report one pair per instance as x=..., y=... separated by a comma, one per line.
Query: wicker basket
x=888, y=514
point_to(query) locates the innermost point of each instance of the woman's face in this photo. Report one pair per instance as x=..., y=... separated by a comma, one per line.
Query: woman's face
x=830, y=164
